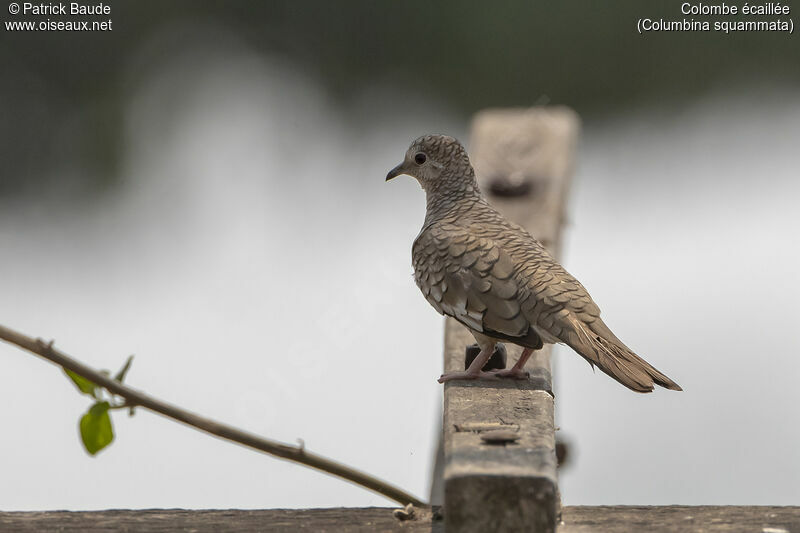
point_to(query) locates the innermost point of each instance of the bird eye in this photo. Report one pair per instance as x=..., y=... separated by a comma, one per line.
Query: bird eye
x=420, y=158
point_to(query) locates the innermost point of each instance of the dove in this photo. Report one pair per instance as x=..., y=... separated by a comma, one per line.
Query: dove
x=497, y=280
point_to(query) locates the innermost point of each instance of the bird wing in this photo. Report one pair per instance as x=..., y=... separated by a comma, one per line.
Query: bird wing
x=560, y=307
x=551, y=297
x=471, y=279
x=507, y=286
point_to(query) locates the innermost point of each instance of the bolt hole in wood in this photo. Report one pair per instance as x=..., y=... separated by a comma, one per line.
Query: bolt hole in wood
x=514, y=185
x=496, y=362
x=500, y=437
x=483, y=427
x=492, y=433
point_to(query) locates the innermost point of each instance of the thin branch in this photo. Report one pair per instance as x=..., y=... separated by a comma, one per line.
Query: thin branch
x=133, y=397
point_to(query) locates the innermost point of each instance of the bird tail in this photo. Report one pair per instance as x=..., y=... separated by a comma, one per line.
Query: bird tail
x=598, y=345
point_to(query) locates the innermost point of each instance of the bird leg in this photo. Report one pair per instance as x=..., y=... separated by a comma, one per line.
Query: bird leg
x=475, y=370
x=517, y=371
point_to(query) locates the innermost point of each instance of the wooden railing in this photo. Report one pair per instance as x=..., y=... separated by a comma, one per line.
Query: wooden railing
x=498, y=465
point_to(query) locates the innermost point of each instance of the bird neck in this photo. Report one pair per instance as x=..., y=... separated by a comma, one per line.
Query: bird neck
x=452, y=195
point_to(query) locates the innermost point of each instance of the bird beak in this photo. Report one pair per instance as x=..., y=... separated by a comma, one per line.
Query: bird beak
x=396, y=171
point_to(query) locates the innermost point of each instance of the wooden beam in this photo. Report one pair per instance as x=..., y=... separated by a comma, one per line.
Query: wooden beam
x=621, y=519
x=523, y=160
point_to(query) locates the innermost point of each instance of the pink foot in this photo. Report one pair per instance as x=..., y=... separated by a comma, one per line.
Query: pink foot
x=512, y=373
x=450, y=376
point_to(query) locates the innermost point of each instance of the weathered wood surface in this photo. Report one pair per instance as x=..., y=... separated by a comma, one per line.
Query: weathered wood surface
x=681, y=519
x=509, y=487
x=673, y=519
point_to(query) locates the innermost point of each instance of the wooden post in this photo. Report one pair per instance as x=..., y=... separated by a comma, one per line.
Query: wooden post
x=523, y=160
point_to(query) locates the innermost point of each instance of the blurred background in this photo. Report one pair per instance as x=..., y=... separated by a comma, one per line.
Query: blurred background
x=203, y=187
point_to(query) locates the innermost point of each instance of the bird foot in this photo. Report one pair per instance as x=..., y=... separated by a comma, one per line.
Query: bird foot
x=450, y=376
x=512, y=373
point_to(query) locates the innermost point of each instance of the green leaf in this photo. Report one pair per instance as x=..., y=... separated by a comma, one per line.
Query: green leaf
x=124, y=370
x=83, y=384
x=96, y=430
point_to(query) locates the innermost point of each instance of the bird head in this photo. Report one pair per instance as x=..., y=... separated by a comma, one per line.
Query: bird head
x=432, y=158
